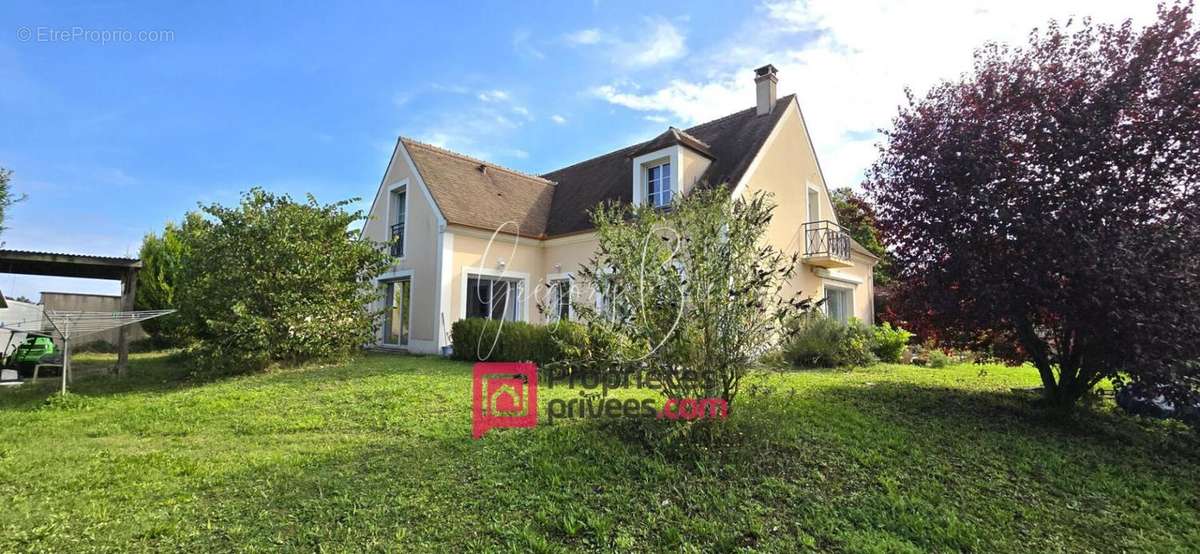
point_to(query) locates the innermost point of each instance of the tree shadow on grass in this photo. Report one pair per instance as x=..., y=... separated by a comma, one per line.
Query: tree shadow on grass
x=887, y=417
x=965, y=412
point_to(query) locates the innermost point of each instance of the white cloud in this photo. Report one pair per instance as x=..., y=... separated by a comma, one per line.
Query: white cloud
x=522, y=44
x=657, y=41
x=493, y=95
x=558, y=119
x=849, y=63
x=401, y=99
x=585, y=36
x=665, y=44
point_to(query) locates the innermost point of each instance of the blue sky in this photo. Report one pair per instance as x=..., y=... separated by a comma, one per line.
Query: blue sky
x=110, y=140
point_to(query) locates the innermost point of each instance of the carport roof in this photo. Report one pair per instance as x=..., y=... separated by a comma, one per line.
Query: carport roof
x=60, y=264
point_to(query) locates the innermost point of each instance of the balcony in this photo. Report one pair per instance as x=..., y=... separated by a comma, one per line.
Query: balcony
x=398, y=240
x=826, y=244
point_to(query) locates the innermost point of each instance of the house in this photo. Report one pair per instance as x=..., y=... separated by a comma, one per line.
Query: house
x=474, y=239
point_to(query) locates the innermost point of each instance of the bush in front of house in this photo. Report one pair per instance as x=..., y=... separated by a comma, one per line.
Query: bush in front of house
x=479, y=339
x=818, y=341
x=274, y=280
x=938, y=359
x=888, y=342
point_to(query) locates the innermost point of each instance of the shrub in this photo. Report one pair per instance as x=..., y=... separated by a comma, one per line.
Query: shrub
x=938, y=359
x=889, y=342
x=275, y=280
x=478, y=339
x=692, y=296
x=817, y=341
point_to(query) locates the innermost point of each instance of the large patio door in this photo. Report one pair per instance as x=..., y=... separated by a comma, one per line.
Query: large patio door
x=397, y=295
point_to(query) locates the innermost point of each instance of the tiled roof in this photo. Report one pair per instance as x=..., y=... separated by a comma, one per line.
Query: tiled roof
x=479, y=194
x=671, y=137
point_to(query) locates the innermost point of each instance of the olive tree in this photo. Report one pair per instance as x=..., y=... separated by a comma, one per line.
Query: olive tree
x=688, y=297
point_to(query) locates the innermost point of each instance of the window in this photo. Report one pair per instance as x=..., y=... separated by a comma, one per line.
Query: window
x=399, y=207
x=658, y=185
x=839, y=303
x=814, y=205
x=494, y=298
x=560, y=300
x=396, y=297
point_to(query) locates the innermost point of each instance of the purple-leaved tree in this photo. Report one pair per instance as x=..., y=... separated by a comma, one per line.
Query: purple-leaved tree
x=1048, y=202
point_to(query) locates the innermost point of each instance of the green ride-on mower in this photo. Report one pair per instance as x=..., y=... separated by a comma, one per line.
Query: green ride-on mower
x=32, y=351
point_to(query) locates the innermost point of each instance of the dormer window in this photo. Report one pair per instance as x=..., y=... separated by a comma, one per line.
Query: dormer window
x=658, y=185
x=657, y=177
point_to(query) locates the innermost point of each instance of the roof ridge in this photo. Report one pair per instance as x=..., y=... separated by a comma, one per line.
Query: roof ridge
x=460, y=155
x=669, y=127
x=690, y=136
x=723, y=118
x=594, y=158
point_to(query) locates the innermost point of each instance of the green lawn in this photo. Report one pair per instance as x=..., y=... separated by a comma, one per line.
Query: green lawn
x=376, y=455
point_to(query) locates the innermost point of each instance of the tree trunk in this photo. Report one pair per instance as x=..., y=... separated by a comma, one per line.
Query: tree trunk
x=1060, y=394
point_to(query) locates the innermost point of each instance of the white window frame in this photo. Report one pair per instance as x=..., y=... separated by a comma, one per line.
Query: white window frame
x=522, y=295
x=392, y=191
x=641, y=172
x=553, y=278
x=813, y=206
x=849, y=292
x=408, y=307
x=662, y=198
x=382, y=281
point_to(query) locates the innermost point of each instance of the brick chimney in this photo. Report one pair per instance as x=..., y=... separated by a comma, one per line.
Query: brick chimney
x=764, y=81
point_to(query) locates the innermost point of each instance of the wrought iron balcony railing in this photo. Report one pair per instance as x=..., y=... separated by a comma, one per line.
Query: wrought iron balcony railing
x=398, y=240
x=826, y=243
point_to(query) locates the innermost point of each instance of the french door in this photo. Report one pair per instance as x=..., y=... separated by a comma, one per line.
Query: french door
x=397, y=295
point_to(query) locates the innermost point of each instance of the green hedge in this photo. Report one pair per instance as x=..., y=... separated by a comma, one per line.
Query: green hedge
x=518, y=341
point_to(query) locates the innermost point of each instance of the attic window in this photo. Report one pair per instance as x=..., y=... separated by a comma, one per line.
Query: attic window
x=658, y=185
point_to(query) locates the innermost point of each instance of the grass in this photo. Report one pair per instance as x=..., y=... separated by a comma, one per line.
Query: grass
x=376, y=454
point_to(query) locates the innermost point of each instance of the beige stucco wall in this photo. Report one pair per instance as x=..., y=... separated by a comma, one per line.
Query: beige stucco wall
x=694, y=165
x=787, y=168
x=420, y=255
x=568, y=255
x=532, y=261
x=523, y=259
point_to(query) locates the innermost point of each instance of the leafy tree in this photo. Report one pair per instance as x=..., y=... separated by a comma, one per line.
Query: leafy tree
x=858, y=217
x=691, y=296
x=1050, y=201
x=162, y=266
x=274, y=280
